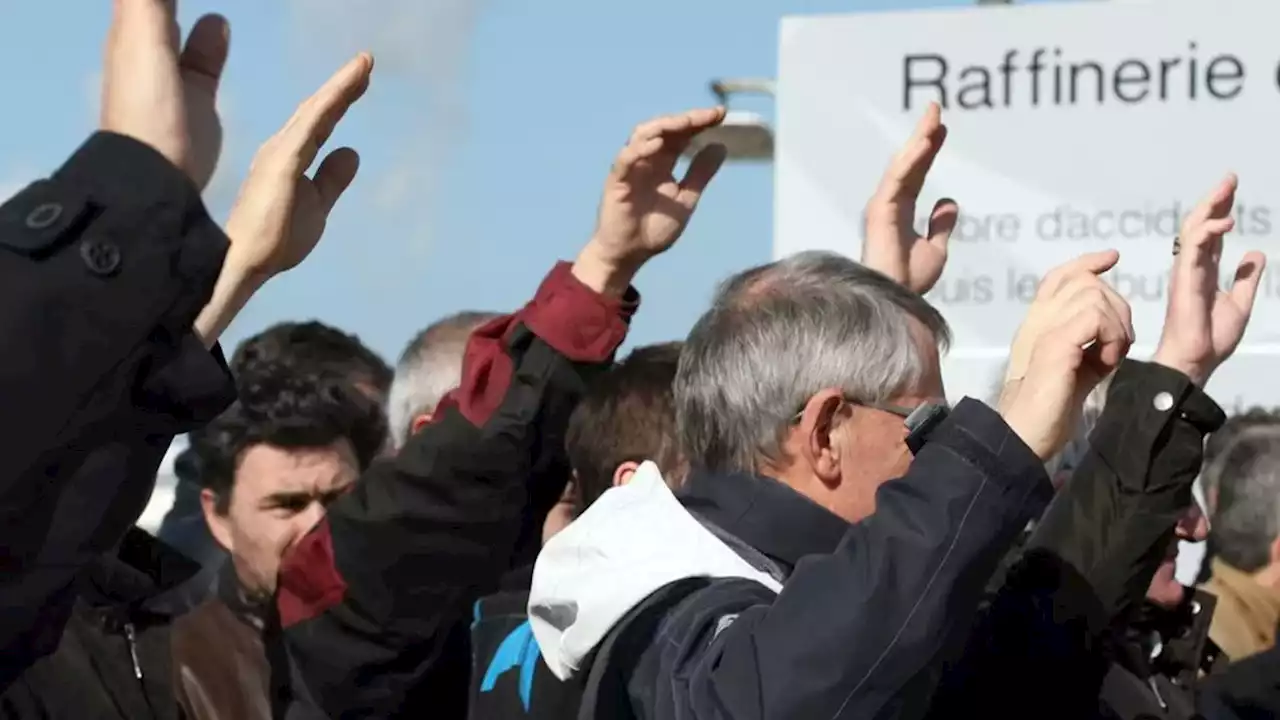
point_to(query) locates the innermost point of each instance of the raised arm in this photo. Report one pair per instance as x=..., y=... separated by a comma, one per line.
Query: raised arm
x=375, y=602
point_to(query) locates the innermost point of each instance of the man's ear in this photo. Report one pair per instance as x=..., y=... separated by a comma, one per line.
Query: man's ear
x=419, y=422
x=219, y=527
x=817, y=441
x=623, y=473
x=1275, y=552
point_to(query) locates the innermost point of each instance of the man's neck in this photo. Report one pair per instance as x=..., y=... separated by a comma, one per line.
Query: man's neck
x=1269, y=578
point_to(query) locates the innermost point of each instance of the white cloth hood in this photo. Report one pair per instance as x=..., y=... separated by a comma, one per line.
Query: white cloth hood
x=633, y=540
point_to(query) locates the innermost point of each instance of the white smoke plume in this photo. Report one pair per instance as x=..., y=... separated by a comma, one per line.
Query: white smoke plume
x=421, y=46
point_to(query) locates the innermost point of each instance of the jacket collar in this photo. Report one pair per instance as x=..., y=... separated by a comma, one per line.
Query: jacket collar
x=1255, y=607
x=765, y=514
x=238, y=600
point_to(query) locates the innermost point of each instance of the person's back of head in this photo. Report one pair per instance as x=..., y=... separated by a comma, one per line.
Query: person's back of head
x=313, y=346
x=626, y=417
x=428, y=369
x=1214, y=446
x=1245, y=528
x=792, y=371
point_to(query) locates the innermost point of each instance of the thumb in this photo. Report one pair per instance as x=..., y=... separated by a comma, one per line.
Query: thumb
x=942, y=222
x=1248, y=275
x=334, y=176
x=205, y=54
x=702, y=169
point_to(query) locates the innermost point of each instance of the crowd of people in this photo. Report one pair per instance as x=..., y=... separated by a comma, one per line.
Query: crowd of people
x=779, y=516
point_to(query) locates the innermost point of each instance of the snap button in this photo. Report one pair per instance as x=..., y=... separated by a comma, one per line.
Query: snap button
x=44, y=215
x=102, y=258
x=1162, y=401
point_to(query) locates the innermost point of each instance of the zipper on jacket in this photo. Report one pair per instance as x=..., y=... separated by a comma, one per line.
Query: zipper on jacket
x=132, y=637
x=1155, y=689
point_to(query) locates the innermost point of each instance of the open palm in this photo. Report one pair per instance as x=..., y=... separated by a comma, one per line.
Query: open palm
x=1203, y=323
x=644, y=208
x=891, y=243
x=281, y=213
x=163, y=95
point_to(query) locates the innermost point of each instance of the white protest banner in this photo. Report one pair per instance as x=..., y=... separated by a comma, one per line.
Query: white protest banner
x=1073, y=127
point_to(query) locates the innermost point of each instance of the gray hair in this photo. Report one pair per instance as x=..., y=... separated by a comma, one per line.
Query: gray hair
x=1226, y=436
x=780, y=332
x=1246, y=519
x=428, y=369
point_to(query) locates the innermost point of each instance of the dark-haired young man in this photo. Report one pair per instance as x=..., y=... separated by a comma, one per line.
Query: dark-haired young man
x=627, y=417
x=270, y=465
x=310, y=346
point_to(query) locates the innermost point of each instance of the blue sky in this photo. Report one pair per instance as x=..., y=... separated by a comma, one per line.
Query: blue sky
x=485, y=136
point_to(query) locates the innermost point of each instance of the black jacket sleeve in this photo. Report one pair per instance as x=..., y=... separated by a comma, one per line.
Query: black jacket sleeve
x=1038, y=649
x=103, y=269
x=862, y=632
x=375, y=602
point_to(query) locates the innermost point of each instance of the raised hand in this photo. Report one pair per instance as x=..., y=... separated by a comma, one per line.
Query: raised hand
x=1203, y=325
x=1062, y=293
x=160, y=96
x=890, y=242
x=281, y=213
x=644, y=208
x=1072, y=350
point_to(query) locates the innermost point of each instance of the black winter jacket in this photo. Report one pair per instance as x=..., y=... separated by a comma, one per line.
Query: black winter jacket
x=114, y=661
x=1057, y=638
x=867, y=616
x=103, y=269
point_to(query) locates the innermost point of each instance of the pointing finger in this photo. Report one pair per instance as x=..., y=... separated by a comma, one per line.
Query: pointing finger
x=634, y=152
x=318, y=116
x=690, y=122
x=1216, y=204
x=1094, y=263
x=905, y=176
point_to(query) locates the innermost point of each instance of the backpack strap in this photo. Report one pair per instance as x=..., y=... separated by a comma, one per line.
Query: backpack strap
x=750, y=555
x=604, y=694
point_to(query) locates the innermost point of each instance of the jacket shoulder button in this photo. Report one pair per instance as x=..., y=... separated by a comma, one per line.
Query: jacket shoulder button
x=1162, y=401
x=101, y=258
x=36, y=221
x=44, y=215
